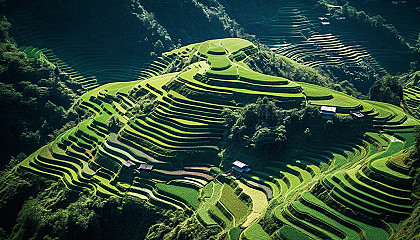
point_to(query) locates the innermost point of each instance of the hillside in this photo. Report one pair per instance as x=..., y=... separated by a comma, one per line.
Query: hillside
x=209, y=119
x=356, y=184
x=343, y=39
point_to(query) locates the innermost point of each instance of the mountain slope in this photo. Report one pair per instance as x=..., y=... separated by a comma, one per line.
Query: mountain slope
x=174, y=122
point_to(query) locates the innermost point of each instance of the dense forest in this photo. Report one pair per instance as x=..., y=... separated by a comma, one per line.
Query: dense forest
x=88, y=87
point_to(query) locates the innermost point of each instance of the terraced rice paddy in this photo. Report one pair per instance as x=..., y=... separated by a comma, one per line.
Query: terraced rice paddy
x=398, y=14
x=350, y=188
x=412, y=100
x=297, y=33
x=314, y=37
x=84, y=62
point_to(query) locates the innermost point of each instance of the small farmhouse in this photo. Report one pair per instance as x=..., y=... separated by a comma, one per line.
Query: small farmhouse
x=328, y=112
x=129, y=164
x=239, y=168
x=145, y=168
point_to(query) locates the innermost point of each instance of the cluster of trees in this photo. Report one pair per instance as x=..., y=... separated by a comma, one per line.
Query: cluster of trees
x=35, y=98
x=388, y=89
x=376, y=23
x=267, y=62
x=36, y=208
x=263, y=127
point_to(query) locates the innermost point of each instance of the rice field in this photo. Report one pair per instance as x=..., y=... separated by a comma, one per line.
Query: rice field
x=185, y=126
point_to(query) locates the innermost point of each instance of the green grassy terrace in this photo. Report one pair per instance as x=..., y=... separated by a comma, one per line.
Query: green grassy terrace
x=351, y=188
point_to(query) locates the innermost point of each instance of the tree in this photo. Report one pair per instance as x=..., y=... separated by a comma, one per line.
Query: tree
x=388, y=89
x=159, y=47
x=114, y=123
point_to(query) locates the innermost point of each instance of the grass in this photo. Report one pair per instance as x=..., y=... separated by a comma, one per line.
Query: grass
x=315, y=92
x=408, y=138
x=259, y=202
x=216, y=48
x=234, y=233
x=371, y=232
x=381, y=166
x=322, y=97
x=209, y=202
x=339, y=160
x=230, y=72
x=333, y=224
x=219, y=62
x=371, y=204
x=203, y=48
x=248, y=75
x=289, y=232
x=187, y=117
x=233, y=45
x=352, y=176
x=393, y=148
x=230, y=90
x=255, y=231
x=189, y=195
x=207, y=191
x=376, y=137
x=223, y=219
x=231, y=201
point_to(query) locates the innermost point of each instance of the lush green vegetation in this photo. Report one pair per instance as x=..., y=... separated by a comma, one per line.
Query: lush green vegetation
x=234, y=233
x=255, y=231
x=228, y=198
x=36, y=95
x=200, y=107
x=173, y=126
x=388, y=89
x=188, y=194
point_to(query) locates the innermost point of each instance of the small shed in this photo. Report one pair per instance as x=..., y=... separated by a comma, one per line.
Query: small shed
x=129, y=163
x=240, y=168
x=145, y=167
x=328, y=112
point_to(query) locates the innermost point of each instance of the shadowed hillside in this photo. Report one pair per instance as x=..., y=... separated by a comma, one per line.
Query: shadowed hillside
x=209, y=120
x=190, y=125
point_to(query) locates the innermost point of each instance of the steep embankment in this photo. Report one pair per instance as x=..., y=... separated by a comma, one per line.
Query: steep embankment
x=174, y=123
x=34, y=96
x=115, y=40
x=345, y=40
